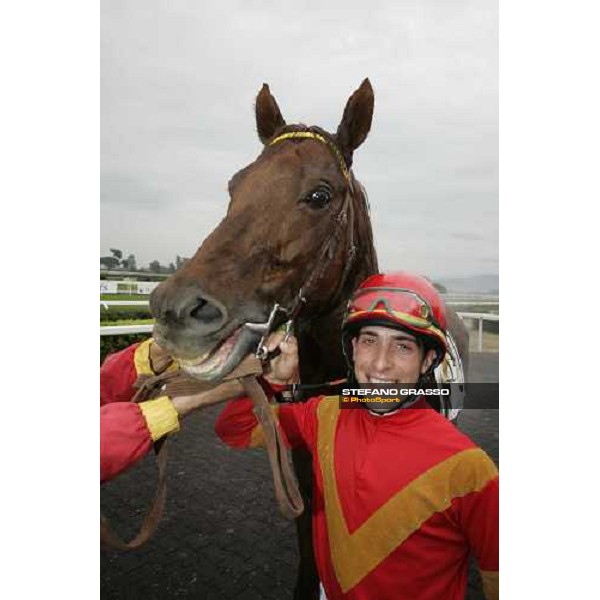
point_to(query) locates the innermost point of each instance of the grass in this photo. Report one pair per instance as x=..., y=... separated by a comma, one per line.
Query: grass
x=108, y=315
x=119, y=310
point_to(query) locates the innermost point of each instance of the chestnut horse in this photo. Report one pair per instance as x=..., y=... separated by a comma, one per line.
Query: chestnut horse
x=297, y=233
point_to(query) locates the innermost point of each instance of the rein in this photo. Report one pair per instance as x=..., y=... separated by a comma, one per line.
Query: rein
x=178, y=383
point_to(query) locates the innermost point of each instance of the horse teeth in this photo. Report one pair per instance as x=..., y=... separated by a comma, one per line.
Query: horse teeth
x=202, y=364
x=193, y=361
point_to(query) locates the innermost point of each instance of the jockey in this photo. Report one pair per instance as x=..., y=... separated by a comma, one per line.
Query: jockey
x=401, y=497
x=382, y=306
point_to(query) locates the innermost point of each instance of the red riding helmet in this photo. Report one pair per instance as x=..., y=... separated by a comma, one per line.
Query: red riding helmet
x=402, y=300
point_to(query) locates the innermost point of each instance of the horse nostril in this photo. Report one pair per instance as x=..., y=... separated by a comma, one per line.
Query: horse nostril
x=205, y=312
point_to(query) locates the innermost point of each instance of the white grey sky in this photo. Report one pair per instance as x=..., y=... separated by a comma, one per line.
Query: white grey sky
x=179, y=79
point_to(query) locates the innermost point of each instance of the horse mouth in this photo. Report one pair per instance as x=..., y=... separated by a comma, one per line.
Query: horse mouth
x=223, y=358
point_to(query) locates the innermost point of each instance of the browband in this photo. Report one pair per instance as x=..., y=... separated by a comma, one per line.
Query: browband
x=315, y=136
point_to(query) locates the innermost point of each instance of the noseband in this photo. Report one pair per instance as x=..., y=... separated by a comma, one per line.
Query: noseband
x=345, y=217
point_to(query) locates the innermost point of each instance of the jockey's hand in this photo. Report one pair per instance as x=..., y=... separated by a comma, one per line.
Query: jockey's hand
x=283, y=369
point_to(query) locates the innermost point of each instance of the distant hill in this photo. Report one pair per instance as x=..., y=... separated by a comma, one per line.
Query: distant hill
x=477, y=284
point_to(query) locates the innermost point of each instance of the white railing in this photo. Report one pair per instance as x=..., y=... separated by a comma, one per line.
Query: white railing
x=145, y=303
x=107, y=303
x=471, y=303
x=147, y=328
x=124, y=329
x=480, y=317
x=108, y=286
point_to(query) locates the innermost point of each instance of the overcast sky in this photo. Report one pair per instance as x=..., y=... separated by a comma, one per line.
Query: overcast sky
x=179, y=80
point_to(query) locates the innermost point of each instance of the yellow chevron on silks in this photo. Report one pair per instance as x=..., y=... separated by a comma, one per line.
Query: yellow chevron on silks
x=355, y=555
x=491, y=587
x=257, y=435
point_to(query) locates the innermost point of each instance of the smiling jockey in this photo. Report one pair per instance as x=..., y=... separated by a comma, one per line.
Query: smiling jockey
x=401, y=497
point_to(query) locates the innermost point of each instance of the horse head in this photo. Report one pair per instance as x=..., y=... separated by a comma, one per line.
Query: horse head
x=290, y=236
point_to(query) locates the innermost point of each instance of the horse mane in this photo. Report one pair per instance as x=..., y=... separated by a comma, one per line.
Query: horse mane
x=363, y=227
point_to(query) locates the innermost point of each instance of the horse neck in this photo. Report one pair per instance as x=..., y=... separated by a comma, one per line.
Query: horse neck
x=319, y=339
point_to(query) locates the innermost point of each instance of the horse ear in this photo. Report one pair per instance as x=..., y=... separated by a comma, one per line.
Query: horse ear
x=356, y=122
x=268, y=115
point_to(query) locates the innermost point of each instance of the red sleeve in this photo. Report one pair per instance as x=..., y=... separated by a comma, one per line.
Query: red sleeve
x=124, y=438
x=478, y=517
x=124, y=435
x=117, y=376
x=236, y=423
x=238, y=427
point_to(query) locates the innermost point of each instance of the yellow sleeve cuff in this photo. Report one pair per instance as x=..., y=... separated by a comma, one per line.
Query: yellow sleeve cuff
x=161, y=416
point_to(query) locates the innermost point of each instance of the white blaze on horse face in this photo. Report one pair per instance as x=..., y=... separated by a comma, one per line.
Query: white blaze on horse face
x=387, y=355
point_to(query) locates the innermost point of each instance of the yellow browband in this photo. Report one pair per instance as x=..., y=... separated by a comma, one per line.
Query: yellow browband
x=320, y=138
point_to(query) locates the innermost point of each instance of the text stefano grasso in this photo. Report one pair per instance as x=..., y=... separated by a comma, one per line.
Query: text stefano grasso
x=395, y=392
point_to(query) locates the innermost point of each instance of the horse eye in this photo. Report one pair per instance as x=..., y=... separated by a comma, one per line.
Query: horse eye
x=319, y=197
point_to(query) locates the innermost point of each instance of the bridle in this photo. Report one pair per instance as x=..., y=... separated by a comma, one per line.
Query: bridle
x=343, y=220
x=287, y=493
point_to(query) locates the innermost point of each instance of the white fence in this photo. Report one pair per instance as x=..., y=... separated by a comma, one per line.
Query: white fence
x=480, y=318
x=472, y=303
x=107, y=303
x=123, y=329
x=127, y=287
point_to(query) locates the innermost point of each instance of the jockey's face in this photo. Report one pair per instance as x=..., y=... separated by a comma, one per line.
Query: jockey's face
x=386, y=355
